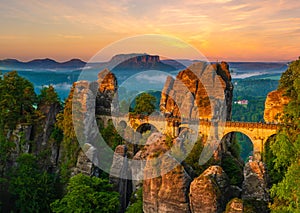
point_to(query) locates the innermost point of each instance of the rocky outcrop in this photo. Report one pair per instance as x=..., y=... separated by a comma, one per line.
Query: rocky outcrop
x=235, y=206
x=274, y=105
x=21, y=138
x=164, y=189
x=43, y=130
x=167, y=193
x=83, y=165
x=208, y=192
x=82, y=117
x=105, y=95
x=255, y=185
x=198, y=91
x=122, y=183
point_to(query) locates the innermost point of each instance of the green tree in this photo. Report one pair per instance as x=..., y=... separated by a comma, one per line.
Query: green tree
x=87, y=194
x=48, y=95
x=17, y=98
x=69, y=142
x=32, y=188
x=286, y=147
x=111, y=136
x=144, y=104
x=136, y=202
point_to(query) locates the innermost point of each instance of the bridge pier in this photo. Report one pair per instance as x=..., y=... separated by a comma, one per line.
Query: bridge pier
x=258, y=148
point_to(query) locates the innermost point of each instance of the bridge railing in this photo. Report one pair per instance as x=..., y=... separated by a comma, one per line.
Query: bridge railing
x=203, y=122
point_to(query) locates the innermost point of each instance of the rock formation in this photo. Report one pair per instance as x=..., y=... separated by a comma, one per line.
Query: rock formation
x=105, y=95
x=83, y=165
x=274, y=105
x=196, y=91
x=164, y=189
x=122, y=185
x=235, y=206
x=255, y=185
x=84, y=109
x=208, y=191
x=42, y=131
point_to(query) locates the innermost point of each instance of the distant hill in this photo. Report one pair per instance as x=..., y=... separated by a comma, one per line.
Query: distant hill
x=250, y=66
x=140, y=62
x=42, y=63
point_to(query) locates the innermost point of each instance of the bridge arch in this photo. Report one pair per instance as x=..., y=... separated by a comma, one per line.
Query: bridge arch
x=122, y=124
x=258, y=142
x=146, y=127
x=245, y=143
x=258, y=137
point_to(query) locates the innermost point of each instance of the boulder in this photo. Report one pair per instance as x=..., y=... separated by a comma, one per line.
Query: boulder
x=235, y=206
x=208, y=191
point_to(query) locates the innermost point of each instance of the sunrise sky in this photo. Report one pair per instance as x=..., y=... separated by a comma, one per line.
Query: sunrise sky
x=231, y=30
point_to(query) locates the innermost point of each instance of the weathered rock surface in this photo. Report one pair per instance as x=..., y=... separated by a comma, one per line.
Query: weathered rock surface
x=166, y=190
x=107, y=90
x=255, y=185
x=208, y=191
x=198, y=91
x=42, y=131
x=83, y=165
x=122, y=183
x=21, y=138
x=167, y=193
x=274, y=105
x=235, y=206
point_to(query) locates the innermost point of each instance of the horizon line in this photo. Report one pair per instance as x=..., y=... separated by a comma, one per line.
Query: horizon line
x=212, y=61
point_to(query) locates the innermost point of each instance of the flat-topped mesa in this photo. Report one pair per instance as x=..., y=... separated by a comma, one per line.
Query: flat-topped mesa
x=198, y=91
x=274, y=105
x=140, y=62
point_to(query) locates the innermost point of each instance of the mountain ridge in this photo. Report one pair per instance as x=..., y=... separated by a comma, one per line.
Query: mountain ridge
x=42, y=63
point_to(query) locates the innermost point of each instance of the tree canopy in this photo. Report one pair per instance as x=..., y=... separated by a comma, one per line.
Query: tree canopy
x=144, y=104
x=17, y=98
x=33, y=189
x=48, y=95
x=87, y=194
x=286, y=147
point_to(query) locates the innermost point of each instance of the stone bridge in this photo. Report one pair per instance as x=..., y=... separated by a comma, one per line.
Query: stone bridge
x=258, y=133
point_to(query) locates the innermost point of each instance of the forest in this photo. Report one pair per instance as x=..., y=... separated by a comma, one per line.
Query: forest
x=31, y=181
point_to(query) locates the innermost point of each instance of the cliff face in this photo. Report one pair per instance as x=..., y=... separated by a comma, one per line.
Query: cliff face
x=168, y=192
x=107, y=90
x=255, y=181
x=197, y=90
x=84, y=94
x=274, y=105
x=255, y=186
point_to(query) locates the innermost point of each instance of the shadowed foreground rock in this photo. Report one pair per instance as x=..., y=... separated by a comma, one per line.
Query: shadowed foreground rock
x=255, y=186
x=207, y=192
x=168, y=192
